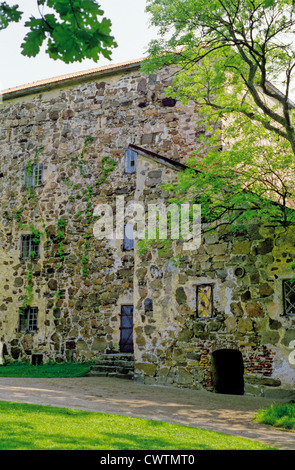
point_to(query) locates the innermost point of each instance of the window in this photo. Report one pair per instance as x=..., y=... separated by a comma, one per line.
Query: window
x=30, y=245
x=205, y=301
x=289, y=297
x=130, y=161
x=28, y=319
x=34, y=175
x=128, y=243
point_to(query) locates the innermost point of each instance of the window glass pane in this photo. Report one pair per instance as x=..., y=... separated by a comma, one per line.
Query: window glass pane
x=28, y=176
x=34, y=247
x=128, y=237
x=289, y=297
x=22, y=321
x=38, y=174
x=26, y=246
x=204, y=301
x=32, y=318
x=130, y=161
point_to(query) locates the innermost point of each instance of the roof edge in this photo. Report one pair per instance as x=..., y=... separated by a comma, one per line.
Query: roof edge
x=55, y=82
x=143, y=151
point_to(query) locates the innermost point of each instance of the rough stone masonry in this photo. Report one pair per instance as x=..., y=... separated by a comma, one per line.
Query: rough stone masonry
x=62, y=290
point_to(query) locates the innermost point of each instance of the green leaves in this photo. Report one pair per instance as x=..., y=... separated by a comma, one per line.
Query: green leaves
x=34, y=39
x=9, y=14
x=72, y=31
x=252, y=177
x=268, y=3
x=228, y=54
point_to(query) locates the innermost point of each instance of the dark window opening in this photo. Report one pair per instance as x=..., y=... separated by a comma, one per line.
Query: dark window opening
x=228, y=372
x=28, y=319
x=29, y=246
x=289, y=297
x=37, y=359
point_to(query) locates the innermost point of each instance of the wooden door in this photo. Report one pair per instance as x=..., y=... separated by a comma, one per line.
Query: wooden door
x=126, y=329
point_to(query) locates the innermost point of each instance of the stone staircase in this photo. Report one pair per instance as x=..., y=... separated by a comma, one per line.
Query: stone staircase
x=120, y=365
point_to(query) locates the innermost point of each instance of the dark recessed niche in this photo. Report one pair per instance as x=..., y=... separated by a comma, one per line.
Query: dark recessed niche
x=239, y=272
x=37, y=359
x=170, y=102
x=148, y=305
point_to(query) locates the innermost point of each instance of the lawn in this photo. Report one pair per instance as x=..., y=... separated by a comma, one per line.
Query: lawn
x=49, y=370
x=281, y=416
x=32, y=427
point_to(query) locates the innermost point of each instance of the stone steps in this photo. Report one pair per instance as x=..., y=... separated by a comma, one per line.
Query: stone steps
x=113, y=365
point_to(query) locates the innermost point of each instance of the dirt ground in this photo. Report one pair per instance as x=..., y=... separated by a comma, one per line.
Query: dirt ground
x=229, y=414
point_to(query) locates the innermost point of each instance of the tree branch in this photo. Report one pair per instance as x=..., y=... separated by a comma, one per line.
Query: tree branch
x=43, y=17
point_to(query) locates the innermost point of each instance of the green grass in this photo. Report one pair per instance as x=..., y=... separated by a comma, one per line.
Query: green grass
x=49, y=370
x=281, y=416
x=33, y=427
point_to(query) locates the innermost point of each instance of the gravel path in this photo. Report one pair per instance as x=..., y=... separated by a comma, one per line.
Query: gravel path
x=229, y=414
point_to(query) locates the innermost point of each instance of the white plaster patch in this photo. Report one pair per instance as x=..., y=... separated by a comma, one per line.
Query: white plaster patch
x=283, y=370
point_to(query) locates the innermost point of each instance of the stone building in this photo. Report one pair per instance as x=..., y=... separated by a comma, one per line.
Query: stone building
x=223, y=319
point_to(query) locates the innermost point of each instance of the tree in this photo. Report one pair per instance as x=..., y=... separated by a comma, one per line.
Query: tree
x=230, y=54
x=71, y=29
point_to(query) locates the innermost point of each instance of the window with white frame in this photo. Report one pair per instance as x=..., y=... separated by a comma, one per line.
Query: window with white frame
x=130, y=161
x=30, y=246
x=34, y=175
x=289, y=297
x=28, y=319
x=204, y=300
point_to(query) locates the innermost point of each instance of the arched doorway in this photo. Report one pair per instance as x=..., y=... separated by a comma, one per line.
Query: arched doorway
x=228, y=371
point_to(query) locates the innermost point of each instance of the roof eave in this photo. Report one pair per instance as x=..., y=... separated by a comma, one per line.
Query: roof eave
x=67, y=80
x=160, y=158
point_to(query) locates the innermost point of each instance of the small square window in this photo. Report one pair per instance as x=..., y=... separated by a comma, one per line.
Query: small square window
x=28, y=319
x=34, y=175
x=130, y=161
x=289, y=297
x=30, y=246
x=205, y=301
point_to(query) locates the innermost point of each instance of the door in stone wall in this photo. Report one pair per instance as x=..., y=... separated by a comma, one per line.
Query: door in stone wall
x=228, y=371
x=126, y=329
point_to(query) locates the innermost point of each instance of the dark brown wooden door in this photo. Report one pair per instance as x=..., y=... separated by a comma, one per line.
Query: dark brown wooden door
x=126, y=336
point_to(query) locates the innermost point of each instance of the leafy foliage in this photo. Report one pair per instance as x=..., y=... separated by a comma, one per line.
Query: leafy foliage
x=228, y=55
x=9, y=14
x=71, y=29
x=279, y=415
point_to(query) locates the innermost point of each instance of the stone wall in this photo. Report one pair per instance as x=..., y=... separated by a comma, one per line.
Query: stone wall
x=79, y=130
x=78, y=283
x=246, y=270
